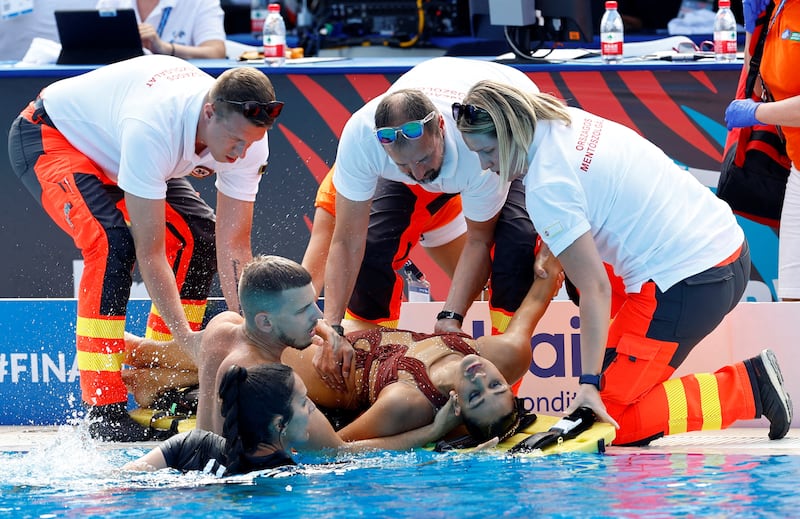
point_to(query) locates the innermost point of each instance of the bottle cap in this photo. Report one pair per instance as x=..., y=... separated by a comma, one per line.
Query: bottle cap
x=274, y=8
x=724, y=3
x=612, y=4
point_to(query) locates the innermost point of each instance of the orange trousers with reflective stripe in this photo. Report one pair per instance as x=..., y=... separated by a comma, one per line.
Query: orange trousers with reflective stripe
x=394, y=229
x=651, y=336
x=90, y=208
x=427, y=212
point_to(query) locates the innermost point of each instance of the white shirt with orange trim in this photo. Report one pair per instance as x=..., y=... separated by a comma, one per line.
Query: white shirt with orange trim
x=137, y=119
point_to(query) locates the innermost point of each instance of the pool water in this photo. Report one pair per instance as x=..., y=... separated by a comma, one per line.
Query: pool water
x=73, y=476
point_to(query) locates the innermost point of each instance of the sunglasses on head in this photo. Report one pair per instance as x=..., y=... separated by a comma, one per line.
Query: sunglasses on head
x=410, y=130
x=257, y=110
x=468, y=112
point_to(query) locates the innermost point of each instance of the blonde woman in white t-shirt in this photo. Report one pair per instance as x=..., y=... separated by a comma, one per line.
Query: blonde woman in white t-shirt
x=599, y=192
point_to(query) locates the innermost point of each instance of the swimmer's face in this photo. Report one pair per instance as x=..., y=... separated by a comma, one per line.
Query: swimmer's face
x=484, y=395
x=297, y=428
x=422, y=158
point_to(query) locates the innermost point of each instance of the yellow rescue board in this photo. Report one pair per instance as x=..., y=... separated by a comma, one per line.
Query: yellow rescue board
x=145, y=417
x=593, y=440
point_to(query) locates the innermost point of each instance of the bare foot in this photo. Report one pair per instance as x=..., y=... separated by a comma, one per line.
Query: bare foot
x=145, y=384
x=141, y=352
x=142, y=392
x=132, y=343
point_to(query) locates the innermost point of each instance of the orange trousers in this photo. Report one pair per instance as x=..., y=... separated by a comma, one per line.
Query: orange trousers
x=426, y=212
x=394, y=229
x=87, y=205
x=651, y=336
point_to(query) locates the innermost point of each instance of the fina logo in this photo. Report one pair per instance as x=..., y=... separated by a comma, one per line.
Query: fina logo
x=202, y=172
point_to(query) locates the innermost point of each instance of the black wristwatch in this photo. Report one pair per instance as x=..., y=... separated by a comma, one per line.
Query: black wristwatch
x=595, y=380
x=446, y=314
x=338, y=328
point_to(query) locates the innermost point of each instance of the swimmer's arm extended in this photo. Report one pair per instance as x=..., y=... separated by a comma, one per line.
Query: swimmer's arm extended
x=444, y=421
x=511, y=350
x=323, y=437
x=538, y=298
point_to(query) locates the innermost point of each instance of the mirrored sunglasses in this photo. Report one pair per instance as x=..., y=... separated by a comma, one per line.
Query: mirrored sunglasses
x=468, y=112
x=257, y=110
x=410, y=130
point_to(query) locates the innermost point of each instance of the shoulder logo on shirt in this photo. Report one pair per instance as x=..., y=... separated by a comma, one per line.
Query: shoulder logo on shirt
x=262, y=169
x=790, y=35
x=552, y=230
x=201, y=172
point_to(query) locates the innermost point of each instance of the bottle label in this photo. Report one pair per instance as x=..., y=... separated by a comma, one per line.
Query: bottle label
x=611, y=44
x=274, y=46
x=257, y=17
x=725, y=42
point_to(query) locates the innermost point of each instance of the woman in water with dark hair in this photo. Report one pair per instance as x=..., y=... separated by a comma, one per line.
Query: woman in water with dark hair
x=266, y=411
x=600, y=192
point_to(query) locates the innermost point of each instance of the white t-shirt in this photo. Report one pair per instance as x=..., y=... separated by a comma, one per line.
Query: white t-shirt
x=649, y=219
x=361, y=159
x=185, y=22
x=137, y=119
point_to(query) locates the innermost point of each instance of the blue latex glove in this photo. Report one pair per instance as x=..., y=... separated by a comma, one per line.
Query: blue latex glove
x=752, y=8
x=741, y=113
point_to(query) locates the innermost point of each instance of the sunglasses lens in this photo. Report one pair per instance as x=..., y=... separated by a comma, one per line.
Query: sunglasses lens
x=412, y=130
x=257, y=110
x=457, y=109
x=386, y=135
x=251, y=109
x=468, y=112
x=274, y=109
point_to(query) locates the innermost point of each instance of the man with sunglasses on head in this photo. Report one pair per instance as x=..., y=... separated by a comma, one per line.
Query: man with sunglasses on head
x=407, y=136
x=107, y=155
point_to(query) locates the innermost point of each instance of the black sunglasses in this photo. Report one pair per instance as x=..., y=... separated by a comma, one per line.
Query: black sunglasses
x=257, y=110
x=468, y=112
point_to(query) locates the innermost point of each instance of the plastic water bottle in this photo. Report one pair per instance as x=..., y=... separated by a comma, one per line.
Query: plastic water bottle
x=612, y=34
x=258, y=12
x=725, y=33
x=274, y=35
x=419, y=288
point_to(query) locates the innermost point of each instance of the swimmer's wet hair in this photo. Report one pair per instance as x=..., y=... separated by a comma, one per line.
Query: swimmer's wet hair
x=251, y=399
x=504, y=428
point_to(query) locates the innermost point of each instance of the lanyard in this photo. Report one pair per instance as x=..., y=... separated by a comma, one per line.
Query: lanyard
x=164, y=17
x=777, y=12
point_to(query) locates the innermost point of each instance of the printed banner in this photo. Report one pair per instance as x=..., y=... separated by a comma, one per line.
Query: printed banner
x=39, y=377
